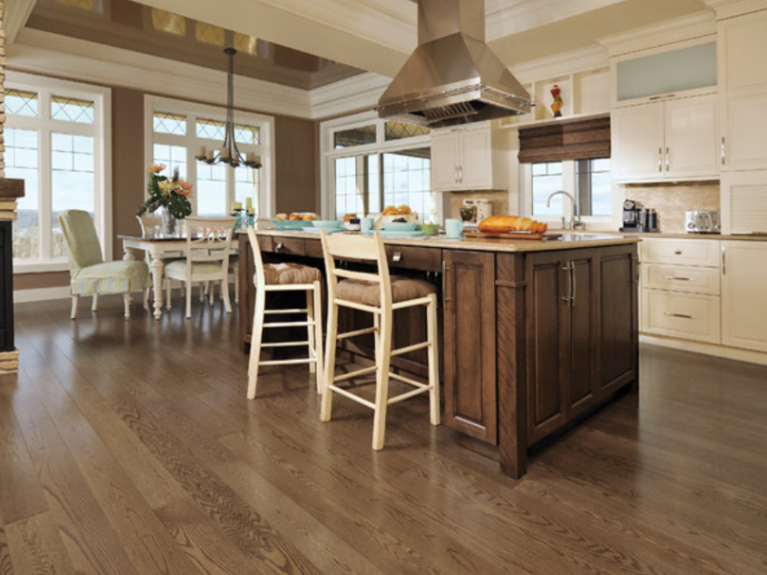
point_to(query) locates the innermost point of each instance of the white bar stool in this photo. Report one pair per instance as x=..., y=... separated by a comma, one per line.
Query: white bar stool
x=283, y=278
x=379, y=294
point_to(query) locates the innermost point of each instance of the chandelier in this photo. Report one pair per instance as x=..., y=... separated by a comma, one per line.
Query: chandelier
x=229, y=153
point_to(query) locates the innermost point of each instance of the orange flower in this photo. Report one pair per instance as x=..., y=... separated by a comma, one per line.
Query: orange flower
x=156, y=168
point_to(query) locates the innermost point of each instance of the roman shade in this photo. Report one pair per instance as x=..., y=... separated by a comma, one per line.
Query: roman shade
x=584, y=139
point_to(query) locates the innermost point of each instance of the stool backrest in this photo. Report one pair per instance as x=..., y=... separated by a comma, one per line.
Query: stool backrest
x=209, y=240
x=258, y=259
x=356, y=248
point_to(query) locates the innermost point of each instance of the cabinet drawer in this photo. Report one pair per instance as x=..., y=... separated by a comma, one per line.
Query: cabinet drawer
x=289, y=246
x=686, y=316
x=313, y=248
x=684, y=252
x=681, y=278
x=424, y=259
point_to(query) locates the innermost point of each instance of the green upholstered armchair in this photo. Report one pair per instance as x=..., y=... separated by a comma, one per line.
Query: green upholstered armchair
x=90, y=274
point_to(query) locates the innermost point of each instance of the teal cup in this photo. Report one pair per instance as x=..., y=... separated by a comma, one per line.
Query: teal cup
x=454, y=229
x=368, y=224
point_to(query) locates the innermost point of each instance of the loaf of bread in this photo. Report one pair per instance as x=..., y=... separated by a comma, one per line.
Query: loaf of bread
x=506, y=224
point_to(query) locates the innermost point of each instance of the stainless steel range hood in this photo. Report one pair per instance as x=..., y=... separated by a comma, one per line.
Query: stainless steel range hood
x=453, y=77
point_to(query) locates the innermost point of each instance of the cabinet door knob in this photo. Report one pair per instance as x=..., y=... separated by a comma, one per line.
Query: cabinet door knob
x=397, y=257
x=660, y=160
x=279, y=246
x=678, y=252
x=679, y=315
x=724, y=151
x=668, y=159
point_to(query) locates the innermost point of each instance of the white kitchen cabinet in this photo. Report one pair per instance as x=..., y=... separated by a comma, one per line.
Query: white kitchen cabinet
x=682, y=315
x=469, y=158
x=744, y=294
x=742, y=43
x=744, y=202
x=675, y=139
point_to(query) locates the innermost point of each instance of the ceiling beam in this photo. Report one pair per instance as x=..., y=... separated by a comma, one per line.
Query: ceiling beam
x=16, y=15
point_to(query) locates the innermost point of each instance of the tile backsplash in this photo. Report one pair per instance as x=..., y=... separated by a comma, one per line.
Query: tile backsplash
x=671, y=201
x=499, y=199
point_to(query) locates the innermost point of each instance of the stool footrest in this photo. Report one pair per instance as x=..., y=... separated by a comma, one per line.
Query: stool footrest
x=412, y=302
x=408, y=349
x=356, y=333
x=407, y=380
x=289, y=324
x=285, y=311
x=407, y=395
x=353, y=374
x=352, y=396
x=288, y=361
x=285, y=344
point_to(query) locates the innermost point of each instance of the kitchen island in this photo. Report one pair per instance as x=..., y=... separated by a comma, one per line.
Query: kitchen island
x=535, y=335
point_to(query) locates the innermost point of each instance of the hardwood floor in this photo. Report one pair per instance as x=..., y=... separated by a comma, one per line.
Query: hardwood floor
x=128, y=447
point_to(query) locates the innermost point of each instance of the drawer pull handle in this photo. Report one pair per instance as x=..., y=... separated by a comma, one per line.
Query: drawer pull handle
x=678, y=252
x=279, y=246
x=678, y=279
x=397, y=257
x=679, y=315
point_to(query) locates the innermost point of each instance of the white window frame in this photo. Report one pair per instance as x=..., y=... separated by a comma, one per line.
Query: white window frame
x=381, y=146
x=192, y=111
x=569, y=184
x=100, y=131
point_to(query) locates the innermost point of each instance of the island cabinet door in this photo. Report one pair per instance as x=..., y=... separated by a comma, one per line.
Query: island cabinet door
x=562, y=339
x=470, y=344
x=618, y=350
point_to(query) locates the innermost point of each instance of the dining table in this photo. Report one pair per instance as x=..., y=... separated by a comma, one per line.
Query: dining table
x=159, y=247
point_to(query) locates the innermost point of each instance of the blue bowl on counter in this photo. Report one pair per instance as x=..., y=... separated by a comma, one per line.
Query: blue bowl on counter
x=328, y=225
x=399, y=226
x=284, y=225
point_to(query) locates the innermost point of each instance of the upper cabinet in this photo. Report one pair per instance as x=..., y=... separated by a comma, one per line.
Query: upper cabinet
x=674, y=139
x=470, y=158
x=743, y=90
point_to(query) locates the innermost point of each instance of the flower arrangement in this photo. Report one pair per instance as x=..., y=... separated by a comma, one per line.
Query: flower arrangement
x=170, y=193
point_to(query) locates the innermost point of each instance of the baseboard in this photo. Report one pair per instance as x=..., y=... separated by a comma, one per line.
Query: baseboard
x=707, y=349
x=41, y=294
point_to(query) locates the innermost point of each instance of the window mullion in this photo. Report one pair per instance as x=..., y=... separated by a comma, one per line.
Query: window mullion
x=45, y=186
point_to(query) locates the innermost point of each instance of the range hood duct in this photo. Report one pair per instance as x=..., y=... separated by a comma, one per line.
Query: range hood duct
x=452, y=77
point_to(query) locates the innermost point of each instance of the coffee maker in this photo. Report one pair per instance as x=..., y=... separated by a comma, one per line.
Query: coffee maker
x=632, y=216
x=637, y=218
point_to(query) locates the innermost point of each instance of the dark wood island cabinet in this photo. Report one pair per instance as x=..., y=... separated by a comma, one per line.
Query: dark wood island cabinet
x=535, y=336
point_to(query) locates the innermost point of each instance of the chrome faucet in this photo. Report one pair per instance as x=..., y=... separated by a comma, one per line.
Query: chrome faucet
x=575, y=222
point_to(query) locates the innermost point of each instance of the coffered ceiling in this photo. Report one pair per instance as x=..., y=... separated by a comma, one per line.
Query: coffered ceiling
x=378, y=35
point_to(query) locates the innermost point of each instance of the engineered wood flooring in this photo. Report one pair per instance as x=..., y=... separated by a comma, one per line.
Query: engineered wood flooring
x=128, y=447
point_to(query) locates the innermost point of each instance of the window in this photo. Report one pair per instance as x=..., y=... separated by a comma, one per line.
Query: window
x=209, y=34
x=547, y=179
x=375, y=164
x=594, y=187
x=177, y=131
x=168, y=22
x=246, y=44
x=55, y=138
x=89, y=5
x=589, y=181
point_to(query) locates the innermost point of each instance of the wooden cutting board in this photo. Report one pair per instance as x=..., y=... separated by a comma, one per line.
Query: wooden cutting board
x=508, y=236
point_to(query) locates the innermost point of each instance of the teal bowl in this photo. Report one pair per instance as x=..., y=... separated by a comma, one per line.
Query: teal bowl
x=327, y=224
x=399, y=226
x=285, y=225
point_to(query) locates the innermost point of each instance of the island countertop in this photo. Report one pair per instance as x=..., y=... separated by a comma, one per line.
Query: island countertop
x=566, y=241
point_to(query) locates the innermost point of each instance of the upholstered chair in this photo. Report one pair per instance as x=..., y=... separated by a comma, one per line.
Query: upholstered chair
x=90, y=274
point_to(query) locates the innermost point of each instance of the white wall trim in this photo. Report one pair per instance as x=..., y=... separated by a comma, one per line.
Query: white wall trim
x=733, y=8
x=706, y=349
x=50, y=54
x=41, y=294
x=571, y=62
x=17, y=13
x=357, y=93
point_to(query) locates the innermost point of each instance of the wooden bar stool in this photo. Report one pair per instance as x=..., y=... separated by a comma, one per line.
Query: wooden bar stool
x=283, y=278
x=379, y=294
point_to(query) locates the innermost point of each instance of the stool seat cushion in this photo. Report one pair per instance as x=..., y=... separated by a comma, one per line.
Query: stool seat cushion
x=289, y=274
x=369, y=293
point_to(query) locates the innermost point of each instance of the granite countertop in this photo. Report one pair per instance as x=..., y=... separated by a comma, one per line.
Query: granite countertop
x=567, y=241
x=680, y=236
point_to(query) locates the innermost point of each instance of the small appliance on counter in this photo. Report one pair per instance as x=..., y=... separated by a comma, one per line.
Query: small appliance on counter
x=482, y=209
x=637, y=218
x=702, y=222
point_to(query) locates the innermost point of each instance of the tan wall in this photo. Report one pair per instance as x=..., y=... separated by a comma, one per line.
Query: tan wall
x=296, y=172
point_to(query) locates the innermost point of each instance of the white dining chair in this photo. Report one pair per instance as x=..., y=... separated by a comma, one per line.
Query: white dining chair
x=206, y=257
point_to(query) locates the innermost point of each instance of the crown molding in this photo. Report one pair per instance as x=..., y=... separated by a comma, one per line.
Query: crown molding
x=353, y=94
x=733, y=8
x=50, y=54
x=17, y=13
x=697, y=25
